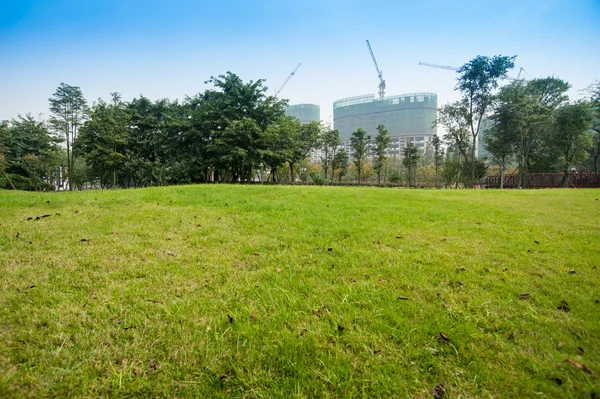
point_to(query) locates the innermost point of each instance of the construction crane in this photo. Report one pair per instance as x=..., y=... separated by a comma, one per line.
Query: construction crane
x=287, y=80
x=455, y=69
x=379, y=73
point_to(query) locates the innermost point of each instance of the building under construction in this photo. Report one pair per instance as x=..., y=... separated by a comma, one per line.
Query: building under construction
x=407, y=117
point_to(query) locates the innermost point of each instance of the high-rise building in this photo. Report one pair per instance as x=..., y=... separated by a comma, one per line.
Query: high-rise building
x=407, y=117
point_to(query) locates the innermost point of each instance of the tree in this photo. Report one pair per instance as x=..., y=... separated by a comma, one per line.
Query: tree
x=477, y=81
x=277, y=143
x=102, y=140
x=411, y=157
x=510, y=118
x=341, y=162
x=571, y=133
x=454, y=118
x=438, y=154
x=232, y=119
x=382, y=142
x=359, y=143
x=330, y=141
x=33, y=166
x=4, y=137
x=594, y=91
x=303, y=140
x=68, y=110
x=26, y=136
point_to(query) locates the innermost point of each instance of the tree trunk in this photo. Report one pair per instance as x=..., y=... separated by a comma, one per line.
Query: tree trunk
x=597, y=155
x=473, y=164
x=502, y=174
x=8, y=180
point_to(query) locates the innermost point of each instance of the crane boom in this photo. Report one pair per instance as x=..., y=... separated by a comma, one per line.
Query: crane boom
x=455, y=69
x=449, y=68
x=379, y=73
x=287, y=80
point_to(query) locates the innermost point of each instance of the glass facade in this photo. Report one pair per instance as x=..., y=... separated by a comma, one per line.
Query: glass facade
x=306, y=113
x=403, y=115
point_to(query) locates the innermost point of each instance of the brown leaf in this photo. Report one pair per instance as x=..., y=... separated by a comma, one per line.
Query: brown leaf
x=253, y=316
x=459, y=282
x=278, y=270
x=115, y=234
x=581, y=366
x=559, y=345
x=173, y=254
x=564, y=306
x=580, y=349
x=256, y=253
x=444, y=337
x=524, y=295
x=439, y=392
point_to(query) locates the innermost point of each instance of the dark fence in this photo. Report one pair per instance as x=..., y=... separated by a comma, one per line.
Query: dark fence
x=547, y=180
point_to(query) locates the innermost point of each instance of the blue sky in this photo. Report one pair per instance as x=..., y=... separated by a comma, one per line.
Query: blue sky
x=170, y=48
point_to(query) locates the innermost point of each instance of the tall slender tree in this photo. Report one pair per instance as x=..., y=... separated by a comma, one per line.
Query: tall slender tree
x=360, y=146
x=477, y=81
x=438, y=155
x=411, y=157
x=382, y=142
x=330, y=141
x=340, y=163
x=68, y=110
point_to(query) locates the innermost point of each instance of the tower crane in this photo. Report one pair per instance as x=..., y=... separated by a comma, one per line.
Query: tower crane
x=455, y=69
x=379, y=73
x=287, y=80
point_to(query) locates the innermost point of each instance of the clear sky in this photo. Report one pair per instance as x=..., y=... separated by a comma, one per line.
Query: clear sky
x=161, y=48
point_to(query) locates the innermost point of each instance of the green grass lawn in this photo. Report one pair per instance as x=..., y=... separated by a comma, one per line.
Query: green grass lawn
x=249, y=291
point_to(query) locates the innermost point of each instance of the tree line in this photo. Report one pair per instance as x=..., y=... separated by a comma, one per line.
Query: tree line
x=527, y=126
x=235, y=132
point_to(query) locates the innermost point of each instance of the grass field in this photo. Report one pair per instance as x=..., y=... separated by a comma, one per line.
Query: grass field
x=248, y=291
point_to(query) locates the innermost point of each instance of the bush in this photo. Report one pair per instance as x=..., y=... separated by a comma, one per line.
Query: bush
x=395, y=177
x=317, y=178
x=20, y=182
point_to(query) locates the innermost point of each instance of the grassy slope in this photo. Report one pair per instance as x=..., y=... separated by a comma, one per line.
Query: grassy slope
x=311, y=277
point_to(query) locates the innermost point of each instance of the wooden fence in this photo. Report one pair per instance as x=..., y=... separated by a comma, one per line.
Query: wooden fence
x=547, y=180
